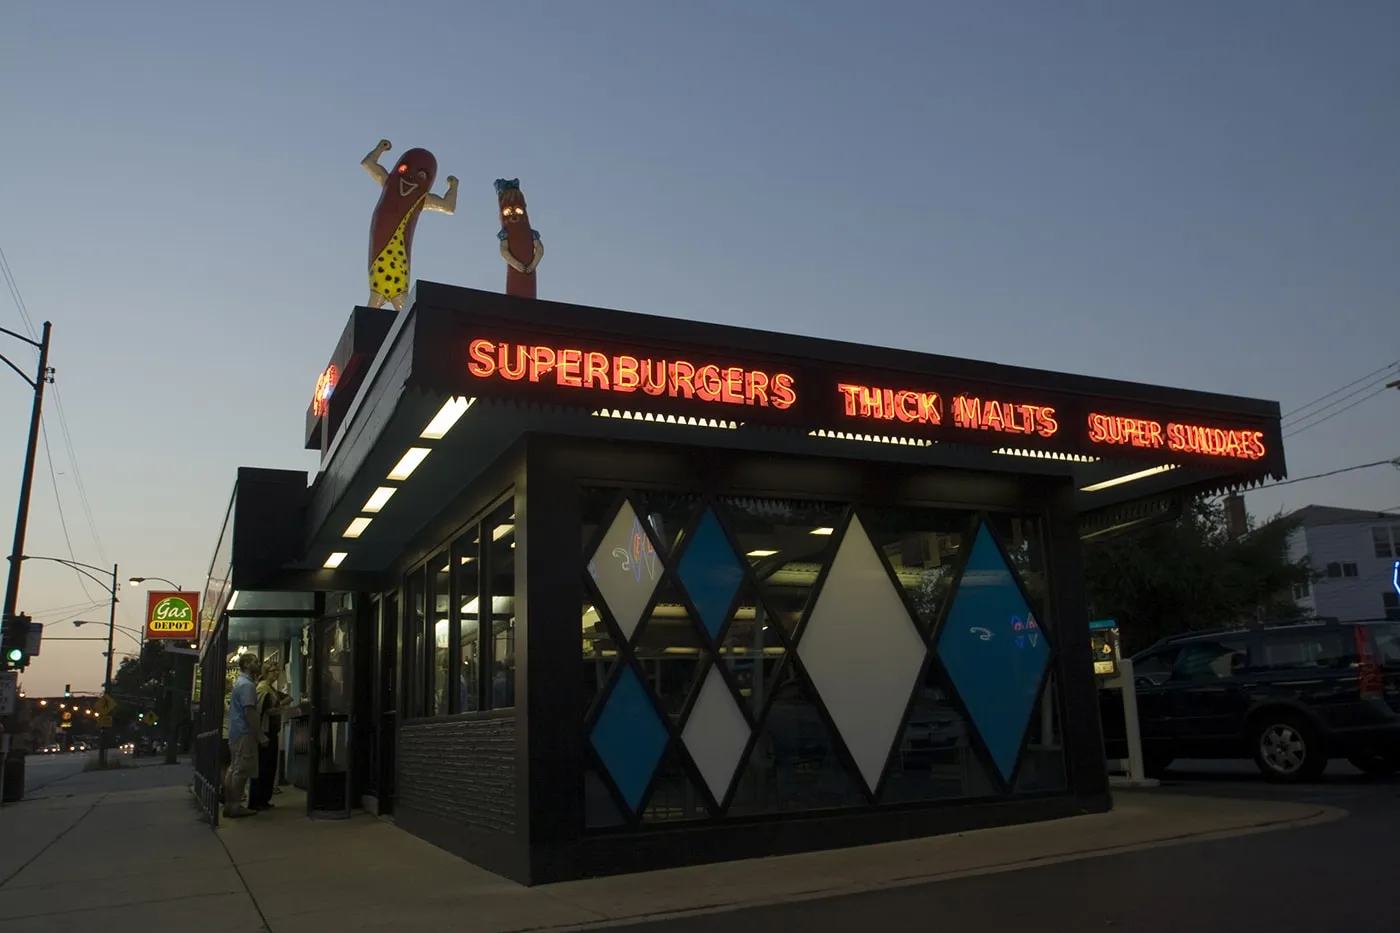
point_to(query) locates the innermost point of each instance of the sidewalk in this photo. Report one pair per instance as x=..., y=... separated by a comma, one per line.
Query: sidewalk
x=139, y=860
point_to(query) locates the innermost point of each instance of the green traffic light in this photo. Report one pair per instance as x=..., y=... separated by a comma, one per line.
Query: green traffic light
x=16, y=654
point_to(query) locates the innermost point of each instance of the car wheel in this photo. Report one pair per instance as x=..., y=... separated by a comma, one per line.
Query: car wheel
x=1379, y=764
x=1287, y=748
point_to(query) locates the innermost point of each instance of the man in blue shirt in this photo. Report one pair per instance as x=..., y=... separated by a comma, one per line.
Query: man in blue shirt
x=244, y=735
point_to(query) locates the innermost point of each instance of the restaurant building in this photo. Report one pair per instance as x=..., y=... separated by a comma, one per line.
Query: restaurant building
x=578, y=591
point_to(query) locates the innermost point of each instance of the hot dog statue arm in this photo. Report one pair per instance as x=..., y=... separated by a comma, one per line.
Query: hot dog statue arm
x=370, y=163
x=447, y=204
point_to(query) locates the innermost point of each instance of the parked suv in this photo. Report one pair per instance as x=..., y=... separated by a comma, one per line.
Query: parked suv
x=1289, y=695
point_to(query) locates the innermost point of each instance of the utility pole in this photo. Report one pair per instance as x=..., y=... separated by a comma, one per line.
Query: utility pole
x=31, y=453
x=105, y=738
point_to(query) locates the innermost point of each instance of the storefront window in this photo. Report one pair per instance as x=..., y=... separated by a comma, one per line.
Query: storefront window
x=440, y=576
x=466, y=554
x=500, y=528
x=415, y=611
x=669, y=651
x=922, y=548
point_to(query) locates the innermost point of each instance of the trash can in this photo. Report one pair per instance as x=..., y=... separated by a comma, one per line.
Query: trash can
x=13, y=782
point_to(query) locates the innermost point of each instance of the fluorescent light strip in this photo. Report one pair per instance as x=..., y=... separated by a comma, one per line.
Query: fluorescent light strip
x=1044, y=455
x=335, y=560
x=408, y=463
x=667, y=419
x=356, y=527
x=447, y=416
x=873, y=438
x=823, y=531
x=762, y=552
x=378, y=499
x=1128, y=478
x=500, y=531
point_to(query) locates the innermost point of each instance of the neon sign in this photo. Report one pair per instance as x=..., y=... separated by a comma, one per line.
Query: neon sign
x=1182, y=438
x=590, y=369
x=1004, y=417
x=908, y=405
x=325, y=387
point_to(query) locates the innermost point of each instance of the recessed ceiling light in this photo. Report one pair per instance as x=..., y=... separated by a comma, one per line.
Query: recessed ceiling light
x=408, y=463
x=335, y=560
x=500, y=531
x=762, y=552
x=1128, y=478
x=357, y=527
x=823, y=531
x=447, y=416
x=378, y=499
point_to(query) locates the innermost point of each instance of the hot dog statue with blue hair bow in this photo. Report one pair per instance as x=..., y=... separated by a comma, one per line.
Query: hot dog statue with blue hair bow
x=521, y=246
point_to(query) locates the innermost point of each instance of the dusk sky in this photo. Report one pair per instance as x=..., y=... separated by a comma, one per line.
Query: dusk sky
x=1195, y=194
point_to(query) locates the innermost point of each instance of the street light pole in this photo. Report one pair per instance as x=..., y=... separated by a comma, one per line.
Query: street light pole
x=106, y=734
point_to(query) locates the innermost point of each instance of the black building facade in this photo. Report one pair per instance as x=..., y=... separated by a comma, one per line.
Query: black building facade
x=581, y=591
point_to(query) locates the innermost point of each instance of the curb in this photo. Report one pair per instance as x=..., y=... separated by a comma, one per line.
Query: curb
x=1321, y=814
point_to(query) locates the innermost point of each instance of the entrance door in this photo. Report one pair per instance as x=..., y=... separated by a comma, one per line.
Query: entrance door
x=386, y=698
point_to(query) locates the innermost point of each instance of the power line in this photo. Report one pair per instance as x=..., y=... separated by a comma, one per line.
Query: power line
x=1323, y=398
x=58, y=500
x=13, y=285
x=1297, y=428
x=1395, y=462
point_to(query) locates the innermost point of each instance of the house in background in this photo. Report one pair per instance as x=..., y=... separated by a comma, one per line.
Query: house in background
x=1354, y=555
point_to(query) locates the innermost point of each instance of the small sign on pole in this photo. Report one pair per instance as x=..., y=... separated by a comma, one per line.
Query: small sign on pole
x=35, y=639
x=9, y=692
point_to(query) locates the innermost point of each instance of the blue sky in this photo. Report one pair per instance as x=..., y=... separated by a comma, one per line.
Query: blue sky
x=1200, y=194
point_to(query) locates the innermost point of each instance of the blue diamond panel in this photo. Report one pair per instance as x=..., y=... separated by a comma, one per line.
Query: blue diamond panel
x=711, y=573
x=629, y=737
x=994, y=651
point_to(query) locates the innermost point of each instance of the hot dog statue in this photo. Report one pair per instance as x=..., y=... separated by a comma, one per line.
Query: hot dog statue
x=405, y=194
x=521, y=246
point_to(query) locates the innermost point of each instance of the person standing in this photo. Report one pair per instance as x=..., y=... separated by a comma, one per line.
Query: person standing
x=272, y=702
x=245, y=735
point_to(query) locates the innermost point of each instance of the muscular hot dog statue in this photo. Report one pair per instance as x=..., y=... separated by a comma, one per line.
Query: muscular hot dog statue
x=403, y=196
x=521, y=247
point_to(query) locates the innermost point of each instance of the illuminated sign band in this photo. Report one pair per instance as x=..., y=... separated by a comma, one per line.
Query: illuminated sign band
x=591, y=369
x=916, y=406
x=1182, y=438
x=325, y=387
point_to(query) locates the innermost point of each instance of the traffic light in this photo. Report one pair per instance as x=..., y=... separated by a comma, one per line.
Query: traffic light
x=14, y=642
x=68, y=690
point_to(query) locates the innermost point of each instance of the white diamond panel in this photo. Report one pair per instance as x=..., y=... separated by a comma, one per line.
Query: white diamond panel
x=862, y=651
x=626, y=569
x=716, y=734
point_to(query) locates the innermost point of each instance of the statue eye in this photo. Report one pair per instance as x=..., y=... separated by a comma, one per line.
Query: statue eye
x=403, y=168
x=422, y=175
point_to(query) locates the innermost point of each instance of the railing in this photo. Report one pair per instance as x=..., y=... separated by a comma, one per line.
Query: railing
x=210, y=754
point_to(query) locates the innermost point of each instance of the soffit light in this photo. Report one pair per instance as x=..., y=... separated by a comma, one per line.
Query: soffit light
x=335, y=560
x=357, y=527
x=447, y=416
x=378, y=499
x=762, y=552
x=408, y=463
x=1128, y=478
x=823, y=531
x=500, y=531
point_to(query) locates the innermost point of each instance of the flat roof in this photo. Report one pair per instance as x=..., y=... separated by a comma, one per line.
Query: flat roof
x=503, y=367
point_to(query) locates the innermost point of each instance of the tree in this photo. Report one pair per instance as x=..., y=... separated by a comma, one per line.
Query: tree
x=139, y=687
x=1190, y=574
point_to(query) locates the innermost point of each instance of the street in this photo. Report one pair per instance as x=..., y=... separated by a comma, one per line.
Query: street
x=1331, y=876
x=42, y=770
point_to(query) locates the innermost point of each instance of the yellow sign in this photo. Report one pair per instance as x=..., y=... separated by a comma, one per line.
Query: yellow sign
x=106, y=705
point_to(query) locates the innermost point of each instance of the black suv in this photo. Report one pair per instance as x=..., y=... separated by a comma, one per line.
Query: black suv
x=1289, y=695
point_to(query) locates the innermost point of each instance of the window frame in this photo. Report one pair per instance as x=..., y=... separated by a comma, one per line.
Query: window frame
x=1246, y=643
x=1301, y=636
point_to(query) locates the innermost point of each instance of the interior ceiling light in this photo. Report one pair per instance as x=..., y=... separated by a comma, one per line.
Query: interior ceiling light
x=447, y=416
x=357, y=527
x=500, y=531
x=335, y=560
x=1128, y=478
x=408, y=463
x=762, y=552
x=823, y=531
x=378, y=499
x=668, y=419
x=873, y=438
x=1044, y=455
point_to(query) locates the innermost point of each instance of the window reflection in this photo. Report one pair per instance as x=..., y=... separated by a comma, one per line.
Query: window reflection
x=937, y=758
x=467, y=555
x=500, y=527
x=1021, y=536
x=786, y=543
x=414, y=599
x=668, y=651
x=440, y=575
x=1042, y=767
x=922, y=547
x=753, y=650
x=599, y=652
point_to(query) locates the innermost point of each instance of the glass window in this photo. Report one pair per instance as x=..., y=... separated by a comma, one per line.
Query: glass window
x=415, y=596
x=1391, y=602
x=1304, y=650
x=467, y=557
x=440, y=576
x=1349, y=570
x=500, y=529
x=1380, y=537
x=1212, y=660
x=1157, y=666
x=922, y=547
x=1302, y=590
x=1021, y=536
x=669, y=650
x=1334, y=569
x=1387, y=640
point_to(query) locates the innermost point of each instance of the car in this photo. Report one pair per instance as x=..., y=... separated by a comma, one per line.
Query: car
x=1289, y=695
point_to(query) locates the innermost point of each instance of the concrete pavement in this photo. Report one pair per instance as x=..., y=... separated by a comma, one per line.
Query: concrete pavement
x=134, y=857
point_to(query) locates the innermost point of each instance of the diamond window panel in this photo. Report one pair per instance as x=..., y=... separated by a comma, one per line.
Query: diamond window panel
x=625, y=568
x=994, y=651
x=862, y=651
x=629, y=737
x=711, y=573
x=716, y=734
